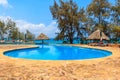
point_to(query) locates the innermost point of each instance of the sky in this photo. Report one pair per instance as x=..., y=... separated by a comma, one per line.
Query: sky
x=33, y=15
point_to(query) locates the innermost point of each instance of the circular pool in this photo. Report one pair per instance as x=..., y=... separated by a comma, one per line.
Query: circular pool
x=54, y=52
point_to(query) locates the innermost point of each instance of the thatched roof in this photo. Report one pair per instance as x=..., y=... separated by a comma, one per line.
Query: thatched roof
x=42, y=37
x=97, y=35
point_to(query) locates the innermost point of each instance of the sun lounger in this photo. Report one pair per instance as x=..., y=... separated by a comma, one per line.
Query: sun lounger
x=93, y=44
x=98, y=44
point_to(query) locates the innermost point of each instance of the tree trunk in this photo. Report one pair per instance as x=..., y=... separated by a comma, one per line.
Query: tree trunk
x=71, y=41
x=99, y=13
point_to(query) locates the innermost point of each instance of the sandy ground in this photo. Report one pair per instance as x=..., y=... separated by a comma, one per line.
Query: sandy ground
x=107, y=68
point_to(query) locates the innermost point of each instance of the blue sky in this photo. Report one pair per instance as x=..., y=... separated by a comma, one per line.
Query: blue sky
x=34, y=11
x=29, y=14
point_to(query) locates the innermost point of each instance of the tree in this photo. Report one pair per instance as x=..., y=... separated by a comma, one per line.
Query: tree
x=99, y=10
x=11, y=25
x=116, y=13
x=15, y=34
x=116, y=32
x=69, y=18
x=21, y=36
x=3, y=29
x=29, y=35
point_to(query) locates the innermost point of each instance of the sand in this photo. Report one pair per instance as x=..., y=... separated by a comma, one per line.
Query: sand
x=107, y=68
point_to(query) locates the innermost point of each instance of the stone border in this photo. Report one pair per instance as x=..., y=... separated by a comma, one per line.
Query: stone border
x=115, y=53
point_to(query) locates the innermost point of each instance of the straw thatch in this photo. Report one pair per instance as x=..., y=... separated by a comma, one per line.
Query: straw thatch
x=42, y=37
x=98, y=35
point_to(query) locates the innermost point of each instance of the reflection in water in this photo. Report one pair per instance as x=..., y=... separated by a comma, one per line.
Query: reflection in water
x=58, y=53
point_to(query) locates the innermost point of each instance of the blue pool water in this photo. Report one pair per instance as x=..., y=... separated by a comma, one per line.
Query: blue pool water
x=54, y=52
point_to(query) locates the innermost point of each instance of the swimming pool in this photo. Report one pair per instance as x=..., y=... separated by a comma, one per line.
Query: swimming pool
x=56, y=52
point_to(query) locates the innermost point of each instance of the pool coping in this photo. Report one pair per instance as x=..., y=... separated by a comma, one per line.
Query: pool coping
x=68, y=61
x=37, y=46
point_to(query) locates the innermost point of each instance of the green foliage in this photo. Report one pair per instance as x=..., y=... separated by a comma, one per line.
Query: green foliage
x=14, y=34
x=75, y=22
x=68, y=17
x=21, y=36
x=9, y=28
x=12, y=30
x=99, y=11
x=116, y=13
x=116, y=31
x=3, y=29
x=29, y=35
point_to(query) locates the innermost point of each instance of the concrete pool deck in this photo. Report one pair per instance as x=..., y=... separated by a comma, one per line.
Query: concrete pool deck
x=107, y=68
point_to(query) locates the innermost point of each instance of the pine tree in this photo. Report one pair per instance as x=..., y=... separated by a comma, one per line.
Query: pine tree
x=68, y=17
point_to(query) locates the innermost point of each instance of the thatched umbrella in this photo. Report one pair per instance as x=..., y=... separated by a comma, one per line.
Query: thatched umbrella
x=42, y=37
x=98, y=35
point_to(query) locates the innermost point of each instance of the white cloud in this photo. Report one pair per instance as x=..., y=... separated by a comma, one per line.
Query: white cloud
x=36, y=29
x=5, y=3
x=4, y=18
